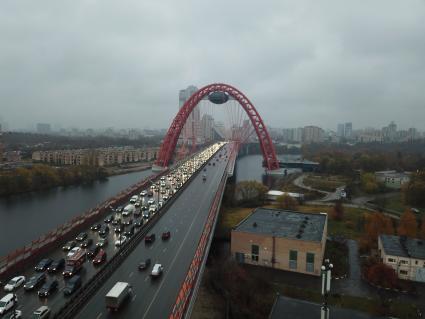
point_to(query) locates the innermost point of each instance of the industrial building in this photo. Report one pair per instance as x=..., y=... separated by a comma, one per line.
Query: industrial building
x=281, y=239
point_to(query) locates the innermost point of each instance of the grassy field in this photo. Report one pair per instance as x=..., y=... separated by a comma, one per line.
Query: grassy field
x=395, y=203
x=349, y=227
x=326, y=182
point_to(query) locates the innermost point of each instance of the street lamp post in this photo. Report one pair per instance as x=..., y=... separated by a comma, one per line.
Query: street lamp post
x=326, y=287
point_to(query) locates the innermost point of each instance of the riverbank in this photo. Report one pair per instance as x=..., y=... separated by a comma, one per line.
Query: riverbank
x=120, y=170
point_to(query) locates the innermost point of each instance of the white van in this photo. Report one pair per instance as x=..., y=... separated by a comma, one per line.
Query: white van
x=134, y=199
x=7, y=303
x=128, y=210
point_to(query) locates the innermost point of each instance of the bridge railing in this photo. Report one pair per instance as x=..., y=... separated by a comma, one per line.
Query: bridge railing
x=188, y=286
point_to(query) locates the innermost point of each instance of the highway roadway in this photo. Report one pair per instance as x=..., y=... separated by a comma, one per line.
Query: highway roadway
x=185, y=219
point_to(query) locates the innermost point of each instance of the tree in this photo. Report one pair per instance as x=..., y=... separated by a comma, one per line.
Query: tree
x=382, y=275
x=286, y=202
x=376, y=224
x=408, y=226
x=250, y=193
x=337, y=212
x=414, y=190
x=422, y=229
x=369, y=184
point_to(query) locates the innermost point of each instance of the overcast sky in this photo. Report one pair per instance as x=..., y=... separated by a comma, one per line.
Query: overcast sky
x=121, y=63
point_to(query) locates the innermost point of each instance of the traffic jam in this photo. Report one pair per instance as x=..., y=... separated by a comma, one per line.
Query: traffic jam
x=38, y=292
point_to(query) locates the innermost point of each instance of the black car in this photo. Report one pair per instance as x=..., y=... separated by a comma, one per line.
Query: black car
x=86, y=243
x=129, y=232
x=149, y=238
x=144, y=207
x=70, y=271
x=43, y=264
x=116, y=221
x=35, y=281
x=109, y=219
x=96, y=227
x=144, y=264
x=56, y=265
x=104, y=231
x=69, y=245
x=119, y=229
x=128, y=221
x=72, y=285
x=48, y=288
x=138, y=223
x=91, y=252
x=81, y=236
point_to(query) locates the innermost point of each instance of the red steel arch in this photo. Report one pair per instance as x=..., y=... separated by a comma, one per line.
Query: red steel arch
x=173, y=133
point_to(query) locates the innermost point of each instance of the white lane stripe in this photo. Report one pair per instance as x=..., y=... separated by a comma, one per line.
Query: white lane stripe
x=131, y=274
x=99, y=315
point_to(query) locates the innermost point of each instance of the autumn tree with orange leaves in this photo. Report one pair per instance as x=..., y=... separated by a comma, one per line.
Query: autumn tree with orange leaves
x=408, y=226
x=377, y=224
x=422, y=229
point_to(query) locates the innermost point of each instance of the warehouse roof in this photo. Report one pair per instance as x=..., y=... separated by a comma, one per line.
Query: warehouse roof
x=403, y=246
x=284, y=223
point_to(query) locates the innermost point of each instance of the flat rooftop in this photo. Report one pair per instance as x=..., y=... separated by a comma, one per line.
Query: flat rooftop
x=285, y=224
x=407, y=247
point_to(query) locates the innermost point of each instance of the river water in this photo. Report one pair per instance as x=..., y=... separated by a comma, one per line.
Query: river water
x=26, y=217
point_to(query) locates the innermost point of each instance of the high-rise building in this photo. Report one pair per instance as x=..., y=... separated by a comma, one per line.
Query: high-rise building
x=207, y=124
x=43, y=128
x=340, y=130
x=313, y=134
x=348, y=130
x=192, y=128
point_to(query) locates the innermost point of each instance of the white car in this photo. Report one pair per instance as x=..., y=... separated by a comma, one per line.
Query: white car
x=143, y=193
x=157, y=270
x=7, y=303
x=119, y=242
x=73, y=251
x=14, y=283
x=152, y=208
x=151, y=202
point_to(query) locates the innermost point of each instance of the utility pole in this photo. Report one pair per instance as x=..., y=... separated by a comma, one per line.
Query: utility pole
x=326, y=287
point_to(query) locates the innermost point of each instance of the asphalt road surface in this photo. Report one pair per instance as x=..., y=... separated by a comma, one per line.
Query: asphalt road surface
x=154, y=298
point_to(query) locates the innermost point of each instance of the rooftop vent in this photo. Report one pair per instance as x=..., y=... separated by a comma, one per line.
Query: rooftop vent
x=254, y=225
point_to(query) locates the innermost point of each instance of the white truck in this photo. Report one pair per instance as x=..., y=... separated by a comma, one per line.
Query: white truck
x=128, y=210
x=116, y=296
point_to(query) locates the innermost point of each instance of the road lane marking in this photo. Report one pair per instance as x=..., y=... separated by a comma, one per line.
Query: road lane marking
x=99, y=315
x=134, y=298
x=164, y=250
x=147, y=277
x=131, y=274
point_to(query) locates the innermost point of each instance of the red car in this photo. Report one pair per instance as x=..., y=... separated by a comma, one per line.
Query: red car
x=100, y=257
x=149, y=238
x=166, y=235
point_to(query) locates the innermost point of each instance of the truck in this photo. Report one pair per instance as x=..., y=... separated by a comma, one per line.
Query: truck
x=117, y=295
x=128, y=210
x=74, y=263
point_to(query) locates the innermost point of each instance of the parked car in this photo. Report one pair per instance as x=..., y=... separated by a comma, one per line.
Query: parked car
x=48, y=288
x=43, y=264
x=41, y=313
x=86, y=243
x=102, y=242
x=35, y=281
x=72, y=285
x=91, y=252
x=81, y=236
x=144, y=264
x=149, y=238
x=166, y=235
x=56, y=265
x=96, y=227
x=14, y=283
x=69, y=245
x=100, y=257
x=157, y=270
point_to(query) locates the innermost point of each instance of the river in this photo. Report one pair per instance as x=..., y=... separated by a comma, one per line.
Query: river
x=26, y=217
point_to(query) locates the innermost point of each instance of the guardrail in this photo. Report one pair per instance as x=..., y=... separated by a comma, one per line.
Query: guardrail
x=189, y=285
x=82, y=296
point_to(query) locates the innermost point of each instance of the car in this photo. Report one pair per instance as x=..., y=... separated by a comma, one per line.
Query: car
x=119, y=209
x=144, y=264
x=157, y=270
x=35, y=281
x=104, y=231
x=102, y=242
x=41, y=313
x=150, y=238
x=120, y=241
x=151, y=202
x=138, y=222
x=128, y=221
x=100, y=257
x=96, y=227
x=81, y=236
x=109, y=219
x=213, y=164
x=137, y=212
x=70, y=270
x=153, y=208
x=16, y=314
x=48, y=288
x=209, y=164
x=69, y=245
x=43, y=264
x=7, y=303
x=163, y=191
x=166, y=235
x=86, y=243
x=160, y=204
x=150, y=193
x=144, y=207
x=73, y=251
x=137, y=204
x=129, y=232
x=165, y=198
x=116, y=221
x=56, y=265
x=92, y=252
x=119, y=229
x=72, y=285
x=14, y=283
x=143, y=193
x=146, y=214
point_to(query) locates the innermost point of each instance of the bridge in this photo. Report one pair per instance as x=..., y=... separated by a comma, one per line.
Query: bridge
x=190, y=214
